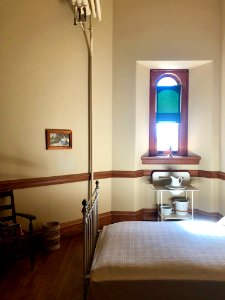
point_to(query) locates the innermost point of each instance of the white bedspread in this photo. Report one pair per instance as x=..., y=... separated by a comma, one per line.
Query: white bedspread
x=180, y=250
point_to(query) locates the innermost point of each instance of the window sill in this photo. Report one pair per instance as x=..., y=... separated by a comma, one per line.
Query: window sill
x=178, y=160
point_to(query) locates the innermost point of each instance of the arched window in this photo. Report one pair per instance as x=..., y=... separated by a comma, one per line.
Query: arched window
x=168, y=112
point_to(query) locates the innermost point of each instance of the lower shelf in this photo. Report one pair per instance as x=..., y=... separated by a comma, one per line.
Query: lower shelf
x=174, y=216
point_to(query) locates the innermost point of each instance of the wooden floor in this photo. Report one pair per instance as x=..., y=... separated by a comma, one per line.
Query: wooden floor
x=57, y=274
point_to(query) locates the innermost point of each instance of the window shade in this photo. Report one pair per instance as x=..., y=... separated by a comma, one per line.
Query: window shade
x=168, y=104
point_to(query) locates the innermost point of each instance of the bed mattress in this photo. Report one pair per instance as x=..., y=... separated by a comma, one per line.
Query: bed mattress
x=133, y=255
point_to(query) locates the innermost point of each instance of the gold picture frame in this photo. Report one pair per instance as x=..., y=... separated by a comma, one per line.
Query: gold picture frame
x=57, y=139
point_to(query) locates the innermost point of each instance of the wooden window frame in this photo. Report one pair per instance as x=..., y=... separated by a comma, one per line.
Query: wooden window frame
x=182, y=77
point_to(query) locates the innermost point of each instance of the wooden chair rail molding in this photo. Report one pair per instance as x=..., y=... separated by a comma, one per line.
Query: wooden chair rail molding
x=51, y=180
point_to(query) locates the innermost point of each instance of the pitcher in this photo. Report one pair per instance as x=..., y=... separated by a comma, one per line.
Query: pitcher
x=176, y=181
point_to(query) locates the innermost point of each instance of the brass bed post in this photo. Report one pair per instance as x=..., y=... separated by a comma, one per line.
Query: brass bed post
x=90, y=233
x=84, y=211
x=95, y=213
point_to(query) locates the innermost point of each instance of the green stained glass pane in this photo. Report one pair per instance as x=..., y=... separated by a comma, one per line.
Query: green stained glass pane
x=168, y=103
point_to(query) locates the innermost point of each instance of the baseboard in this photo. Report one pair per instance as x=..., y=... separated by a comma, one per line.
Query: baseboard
x=76, y=226
x=71, y=228
x=212, y=216
x=145, y=214
x=120, y=216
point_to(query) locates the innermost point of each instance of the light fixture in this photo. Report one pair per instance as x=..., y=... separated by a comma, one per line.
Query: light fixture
x=84, y=8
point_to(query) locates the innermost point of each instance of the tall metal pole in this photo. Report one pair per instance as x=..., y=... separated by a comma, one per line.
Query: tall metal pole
x=83, y=13
x=90, y=113
x=90, y=104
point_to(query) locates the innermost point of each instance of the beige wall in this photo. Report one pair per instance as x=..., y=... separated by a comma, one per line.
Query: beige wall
x=222, y=112
x=201, y=93
x=164, y=34
x=40, y=88
x=43, y=75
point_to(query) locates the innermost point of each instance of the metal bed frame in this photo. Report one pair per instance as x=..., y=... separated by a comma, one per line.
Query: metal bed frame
x=90, y=234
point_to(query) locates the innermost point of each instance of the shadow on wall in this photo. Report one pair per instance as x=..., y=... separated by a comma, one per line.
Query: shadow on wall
x=67, y=2
x=14, y=163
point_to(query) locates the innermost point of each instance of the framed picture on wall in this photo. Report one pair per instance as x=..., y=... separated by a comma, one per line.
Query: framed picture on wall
x=57, y=139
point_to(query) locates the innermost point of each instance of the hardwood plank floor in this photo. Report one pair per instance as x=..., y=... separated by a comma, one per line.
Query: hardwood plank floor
x=57, y=274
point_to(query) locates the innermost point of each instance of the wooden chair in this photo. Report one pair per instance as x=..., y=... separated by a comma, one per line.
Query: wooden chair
x=14, y=241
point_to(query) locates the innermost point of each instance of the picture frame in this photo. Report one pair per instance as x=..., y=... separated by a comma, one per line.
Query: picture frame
x=57, y=139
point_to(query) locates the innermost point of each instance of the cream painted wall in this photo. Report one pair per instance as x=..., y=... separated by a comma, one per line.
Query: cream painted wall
x=44, y=84
x=208, y=196
x=102, y=89
x=123, y=194
x=222, y=104
x=156, y=29
x=61, y=203
x=201, y=93
x=203, y=112
x=164, y=32
x=43, y=74
x=145, y=197
x=40, y=52
x=222, y=112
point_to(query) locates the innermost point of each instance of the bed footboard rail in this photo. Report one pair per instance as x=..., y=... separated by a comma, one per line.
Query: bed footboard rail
x=90, y=229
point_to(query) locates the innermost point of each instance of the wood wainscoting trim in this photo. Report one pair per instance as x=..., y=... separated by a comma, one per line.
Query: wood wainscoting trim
x=210, y=174
x=142, y=173
x=145, y=214
x=103, y=175
x=127, y=174
x=76, y=226
x=221, y=175
x=42, y=181
x=70, y=178
x=71, y=228
x=120, y=216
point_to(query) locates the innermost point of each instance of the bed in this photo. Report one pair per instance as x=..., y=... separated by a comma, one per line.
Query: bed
x=157, y=260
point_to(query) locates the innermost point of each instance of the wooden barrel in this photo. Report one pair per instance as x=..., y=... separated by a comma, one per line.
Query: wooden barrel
x=51, y=235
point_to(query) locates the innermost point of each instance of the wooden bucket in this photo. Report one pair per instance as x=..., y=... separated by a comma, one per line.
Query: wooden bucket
x=51, y=235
